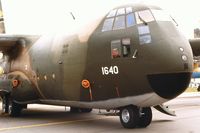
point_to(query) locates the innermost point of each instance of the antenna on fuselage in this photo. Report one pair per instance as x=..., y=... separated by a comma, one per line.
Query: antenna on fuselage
x=72, y=15
x=174, y=20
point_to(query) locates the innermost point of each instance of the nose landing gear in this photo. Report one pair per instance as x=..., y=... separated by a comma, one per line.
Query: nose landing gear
x=10, y=107
x=132, y=117
x=4, y=104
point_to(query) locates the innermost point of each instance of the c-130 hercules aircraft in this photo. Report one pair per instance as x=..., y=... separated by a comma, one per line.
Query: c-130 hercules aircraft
x=130, y=60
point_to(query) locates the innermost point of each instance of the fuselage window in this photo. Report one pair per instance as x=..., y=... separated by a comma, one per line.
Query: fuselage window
x=126, y=46
x=144, y=16
x=145, y=39
x=119, y=23
x=108, y=23
x=130, y=20
x=121, y=11
x=115, y=49
x=112, y=13
x=144, y=34
x=143, y=29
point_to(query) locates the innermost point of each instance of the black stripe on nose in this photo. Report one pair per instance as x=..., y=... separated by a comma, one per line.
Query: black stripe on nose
x=169, y=86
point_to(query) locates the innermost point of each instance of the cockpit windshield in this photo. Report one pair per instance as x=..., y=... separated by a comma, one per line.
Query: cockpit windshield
x=122, y=18
x=161, y=15
x=144, y=16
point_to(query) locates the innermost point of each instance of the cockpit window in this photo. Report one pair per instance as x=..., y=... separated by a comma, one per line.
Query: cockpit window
x=145, y=39
x=143, y=30
x=144, y=34
x=130, y=20
x=119, y=19
x=121, y=48
x=129, y=10
x=119, y=23
x=115, y=49
x=112, y=13
x=126, y=47
x=144, y=16
x=161, y=15
x=120, y=11
x=108, y=23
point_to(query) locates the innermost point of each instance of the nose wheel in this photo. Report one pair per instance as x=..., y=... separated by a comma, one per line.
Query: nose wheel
x=132, y=117
x=145, y=117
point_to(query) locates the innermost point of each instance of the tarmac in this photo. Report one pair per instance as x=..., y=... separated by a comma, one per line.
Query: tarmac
x=56, y=119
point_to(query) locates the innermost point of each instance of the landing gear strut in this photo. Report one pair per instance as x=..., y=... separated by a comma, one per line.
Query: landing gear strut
x=10, y=107
x=132, y=117
x=4, y=104
x=14, y=109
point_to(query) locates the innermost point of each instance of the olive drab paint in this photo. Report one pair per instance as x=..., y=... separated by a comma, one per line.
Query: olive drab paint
x=128, y=57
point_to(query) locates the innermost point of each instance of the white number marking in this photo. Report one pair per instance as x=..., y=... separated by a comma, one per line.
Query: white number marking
x=111, y=70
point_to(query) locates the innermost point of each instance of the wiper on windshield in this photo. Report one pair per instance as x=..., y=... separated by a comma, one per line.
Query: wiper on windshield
x=174, y=20
x=141, y=19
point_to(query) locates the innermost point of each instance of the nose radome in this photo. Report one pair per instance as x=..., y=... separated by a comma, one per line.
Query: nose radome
x=171, y=85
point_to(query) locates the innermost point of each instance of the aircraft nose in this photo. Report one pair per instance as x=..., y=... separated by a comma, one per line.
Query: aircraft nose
x=169, y=86
x=172, y=74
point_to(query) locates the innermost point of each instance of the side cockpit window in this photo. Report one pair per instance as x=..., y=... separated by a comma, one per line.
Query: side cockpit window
x=120, y=48
x=144, y=34
x=126, y=46
x=115, y=49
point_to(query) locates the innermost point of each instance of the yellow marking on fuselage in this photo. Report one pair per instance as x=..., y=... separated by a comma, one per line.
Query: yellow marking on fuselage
x=48, y=124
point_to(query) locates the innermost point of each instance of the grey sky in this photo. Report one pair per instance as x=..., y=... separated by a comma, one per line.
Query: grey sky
x=44, y=16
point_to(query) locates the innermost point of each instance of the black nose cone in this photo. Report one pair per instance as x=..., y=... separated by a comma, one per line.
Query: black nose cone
x=169, y=86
